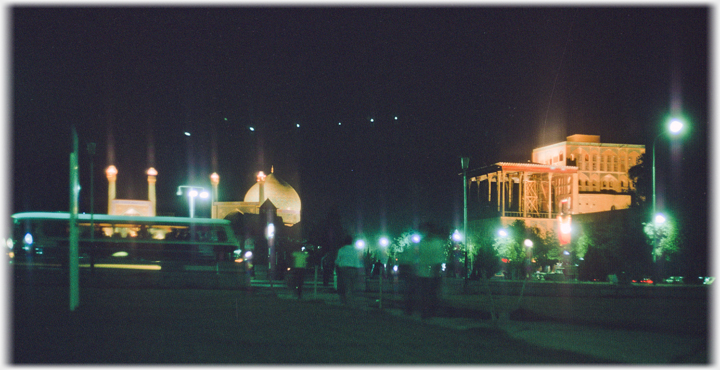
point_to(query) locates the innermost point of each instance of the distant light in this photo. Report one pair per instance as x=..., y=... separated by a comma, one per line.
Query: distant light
x=270, y=231
x=204, y=194
x=248, y=254
x=10, y=243
x=339, y=123
x=675, y=126
x=252, y=128
x=565, y=228
x=396, y=118
x=193, y=193
x=302, y=249
x=226, y=118
x=443, y=267
x=395, y=268
x=416, y=238
x=456, y=236
x=111, y=171
x=372, y=120
x=152, y=172
x=503, y=233
x=659, y=219
x=360, y=244
x=28, y=239
x=528, y=243
x=120, y=254
x=297, y=125
x=187, y=133
x=566, y=253
x=384, y=242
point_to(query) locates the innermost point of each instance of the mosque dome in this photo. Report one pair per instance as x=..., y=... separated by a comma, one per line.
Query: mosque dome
x=280, y=193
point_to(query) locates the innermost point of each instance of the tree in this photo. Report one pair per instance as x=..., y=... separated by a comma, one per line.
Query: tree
x=513, y=249
x=668, y=244
x=614, y=246
x=327, y=236
x=641, y=177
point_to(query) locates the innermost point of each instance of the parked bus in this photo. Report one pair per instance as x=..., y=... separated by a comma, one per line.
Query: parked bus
x=42, y=240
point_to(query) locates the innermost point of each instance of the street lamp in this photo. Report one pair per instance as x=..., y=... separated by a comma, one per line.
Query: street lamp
x=674, y=127
x=529, y=244
x=192, y=194
x=464, y=162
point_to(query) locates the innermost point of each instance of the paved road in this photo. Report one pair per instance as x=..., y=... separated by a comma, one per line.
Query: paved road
x=264, y=326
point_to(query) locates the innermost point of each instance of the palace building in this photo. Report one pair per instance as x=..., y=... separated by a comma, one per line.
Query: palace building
x=578, y=176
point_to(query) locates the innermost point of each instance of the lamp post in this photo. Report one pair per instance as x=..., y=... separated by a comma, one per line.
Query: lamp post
x=675, y=126
x=192, y=193
x=383, y=256
x=464, y=161
x=91, y=151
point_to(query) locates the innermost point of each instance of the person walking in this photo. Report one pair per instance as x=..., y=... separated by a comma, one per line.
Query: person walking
x=297, y=275
x=407, y=261
x=430, y=259
x=349, y=261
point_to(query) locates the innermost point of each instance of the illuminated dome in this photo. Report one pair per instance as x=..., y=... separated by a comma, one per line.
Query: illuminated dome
x=281, y=194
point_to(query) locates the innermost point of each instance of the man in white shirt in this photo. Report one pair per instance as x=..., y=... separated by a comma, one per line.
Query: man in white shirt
x=348, y=263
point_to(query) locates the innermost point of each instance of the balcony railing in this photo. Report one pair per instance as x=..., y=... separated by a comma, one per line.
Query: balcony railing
x=530, y=214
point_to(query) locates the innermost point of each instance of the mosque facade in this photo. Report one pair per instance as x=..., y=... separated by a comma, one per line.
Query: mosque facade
x=267, y=187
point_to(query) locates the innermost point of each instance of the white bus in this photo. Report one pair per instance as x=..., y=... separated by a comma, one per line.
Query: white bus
x=41, y=240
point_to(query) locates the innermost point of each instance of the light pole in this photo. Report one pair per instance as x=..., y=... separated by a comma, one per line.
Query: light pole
x=675, y=126
x=464, y=161
x=91, y=151
x=383, y=242
x=192, y=193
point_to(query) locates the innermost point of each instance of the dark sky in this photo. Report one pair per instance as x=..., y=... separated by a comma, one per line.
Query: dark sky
x=490, y=83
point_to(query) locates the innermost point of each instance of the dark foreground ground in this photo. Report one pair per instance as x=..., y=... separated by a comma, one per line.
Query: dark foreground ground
x=264, y=326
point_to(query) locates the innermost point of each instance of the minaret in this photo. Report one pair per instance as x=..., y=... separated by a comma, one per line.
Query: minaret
x=152, y=174
x=261, y=190
x=111, y=173
x=214, y=180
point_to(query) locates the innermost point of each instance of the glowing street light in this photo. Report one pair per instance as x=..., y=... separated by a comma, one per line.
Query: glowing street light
x=359, y=244
x=456, y=236
x=503, y=233
x=384, y=241
x=659, y=219
x=192, y=194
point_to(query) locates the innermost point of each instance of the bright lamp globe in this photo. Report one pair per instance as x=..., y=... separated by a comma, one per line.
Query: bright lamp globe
x=676, y=126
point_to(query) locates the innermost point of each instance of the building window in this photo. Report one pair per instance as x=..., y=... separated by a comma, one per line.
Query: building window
x=561, y=157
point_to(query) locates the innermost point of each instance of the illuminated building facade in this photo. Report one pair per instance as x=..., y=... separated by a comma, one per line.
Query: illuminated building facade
x=268, y=187
x=577, y=176
x=603, y=182
x=131, y=207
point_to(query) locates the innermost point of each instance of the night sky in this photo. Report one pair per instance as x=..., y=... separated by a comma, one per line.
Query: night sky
x=387, y=100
